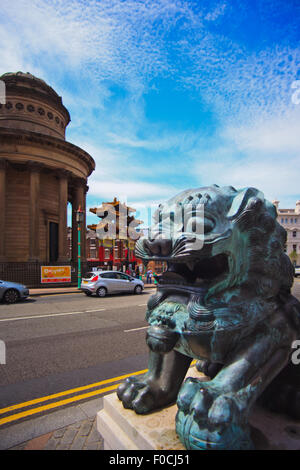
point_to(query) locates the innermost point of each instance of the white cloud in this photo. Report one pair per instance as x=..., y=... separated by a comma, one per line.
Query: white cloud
x=127, y=189
x=274, y=174
x=277, y=135
x=110, y=40
x=216, y=12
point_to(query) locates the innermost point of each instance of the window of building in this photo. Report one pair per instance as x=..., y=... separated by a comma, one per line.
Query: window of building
x=286, y=221
x=294, y=247
x=282, y=220
x=294, y=233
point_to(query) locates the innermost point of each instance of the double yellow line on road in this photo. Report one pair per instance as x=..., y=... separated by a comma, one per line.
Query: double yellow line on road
x=32, y=411
x=12, y=416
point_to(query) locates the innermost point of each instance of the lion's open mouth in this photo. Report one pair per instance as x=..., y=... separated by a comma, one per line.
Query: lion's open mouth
x=196, y=273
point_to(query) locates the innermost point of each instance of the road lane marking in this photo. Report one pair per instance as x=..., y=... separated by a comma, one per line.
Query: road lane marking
x=49, y=406
x=50, y=315
x=142, y=305
x=53, y=295
x=95, y=310
x=136, y=329
x=35, y=401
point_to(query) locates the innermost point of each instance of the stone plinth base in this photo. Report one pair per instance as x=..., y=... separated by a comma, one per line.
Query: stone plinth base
x=125, y=430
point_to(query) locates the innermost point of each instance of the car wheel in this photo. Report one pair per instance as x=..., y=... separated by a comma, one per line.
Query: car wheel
x=138, y=290
x=11, y=296
x=101, y=292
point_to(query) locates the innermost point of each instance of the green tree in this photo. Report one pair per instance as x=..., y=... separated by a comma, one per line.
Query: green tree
x=293, y=257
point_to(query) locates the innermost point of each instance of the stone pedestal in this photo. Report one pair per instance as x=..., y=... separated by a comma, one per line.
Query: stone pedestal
x=125, y=430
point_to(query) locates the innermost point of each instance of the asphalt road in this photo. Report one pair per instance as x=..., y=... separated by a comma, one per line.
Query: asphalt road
x=58, y=342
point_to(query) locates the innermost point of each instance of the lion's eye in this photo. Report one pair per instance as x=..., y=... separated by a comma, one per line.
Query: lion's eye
x=195, y=225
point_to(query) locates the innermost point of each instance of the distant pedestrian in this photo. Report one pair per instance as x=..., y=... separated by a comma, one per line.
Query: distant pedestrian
x=149, y=276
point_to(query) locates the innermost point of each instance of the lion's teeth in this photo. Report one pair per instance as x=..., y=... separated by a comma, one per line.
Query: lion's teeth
x=191, y=265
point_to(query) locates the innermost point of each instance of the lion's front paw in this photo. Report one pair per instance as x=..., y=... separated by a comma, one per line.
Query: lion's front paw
x=210, y=419
x=136, y=395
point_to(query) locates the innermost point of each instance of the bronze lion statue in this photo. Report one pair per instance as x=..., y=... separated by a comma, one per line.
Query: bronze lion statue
x=225, y=300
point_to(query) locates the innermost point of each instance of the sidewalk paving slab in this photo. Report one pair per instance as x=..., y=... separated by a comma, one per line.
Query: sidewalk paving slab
x=68, y=428
x=64, y=290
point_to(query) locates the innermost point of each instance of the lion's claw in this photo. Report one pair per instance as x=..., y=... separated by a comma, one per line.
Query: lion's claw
x=216, y=419
x=136, y=395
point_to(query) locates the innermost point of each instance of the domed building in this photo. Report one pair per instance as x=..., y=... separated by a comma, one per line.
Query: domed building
x=40, y=172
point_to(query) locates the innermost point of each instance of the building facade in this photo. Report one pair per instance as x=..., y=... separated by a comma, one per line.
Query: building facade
x=40, y=173
x=290, y=220
x=116, y=251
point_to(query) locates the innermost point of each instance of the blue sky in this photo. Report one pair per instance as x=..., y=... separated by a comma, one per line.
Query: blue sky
x=169, y=95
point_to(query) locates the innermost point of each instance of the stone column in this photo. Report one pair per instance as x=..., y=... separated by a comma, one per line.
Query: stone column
x=84, y=231
x=3, y=165
x=78, y=201
x=62, y=226
x=34, y=211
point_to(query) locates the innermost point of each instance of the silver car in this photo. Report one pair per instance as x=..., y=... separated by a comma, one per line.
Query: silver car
x=110, y=282
x=11, y=292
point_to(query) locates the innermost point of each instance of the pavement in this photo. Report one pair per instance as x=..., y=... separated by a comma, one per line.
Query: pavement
x=71, y=428
x=64, y=290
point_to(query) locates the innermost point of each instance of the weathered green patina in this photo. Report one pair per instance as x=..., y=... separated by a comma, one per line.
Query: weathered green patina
x=225, y=300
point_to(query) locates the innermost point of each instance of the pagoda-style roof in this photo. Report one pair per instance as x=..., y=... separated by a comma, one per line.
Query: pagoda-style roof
x=118, y=208
x=115, y=204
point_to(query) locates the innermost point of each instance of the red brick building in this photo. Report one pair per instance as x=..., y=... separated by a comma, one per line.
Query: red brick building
x=116, y=251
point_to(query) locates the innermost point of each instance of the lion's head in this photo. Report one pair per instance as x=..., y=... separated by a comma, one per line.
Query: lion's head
x=220, y=245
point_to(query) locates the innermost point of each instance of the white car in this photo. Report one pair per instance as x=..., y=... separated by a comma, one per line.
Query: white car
x=110, y=282
x=297, y=271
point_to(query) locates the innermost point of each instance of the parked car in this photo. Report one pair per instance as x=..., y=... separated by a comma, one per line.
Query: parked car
x=11, y=292
x=297, y=271
x=110, y=282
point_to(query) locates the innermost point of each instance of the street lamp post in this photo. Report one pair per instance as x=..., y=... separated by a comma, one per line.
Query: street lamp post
x=79, y=220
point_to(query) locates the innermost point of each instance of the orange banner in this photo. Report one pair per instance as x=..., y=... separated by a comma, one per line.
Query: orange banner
x=55, y=274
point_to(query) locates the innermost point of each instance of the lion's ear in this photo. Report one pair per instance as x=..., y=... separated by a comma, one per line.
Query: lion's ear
x=241, y=199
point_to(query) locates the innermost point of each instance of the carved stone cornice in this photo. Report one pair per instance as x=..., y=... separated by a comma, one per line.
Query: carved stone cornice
x=76, y=182
x=63, y=174
x=15, y=136
x=35, y=166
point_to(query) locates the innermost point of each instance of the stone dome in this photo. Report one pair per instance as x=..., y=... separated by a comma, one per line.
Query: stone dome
x=32, y=105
